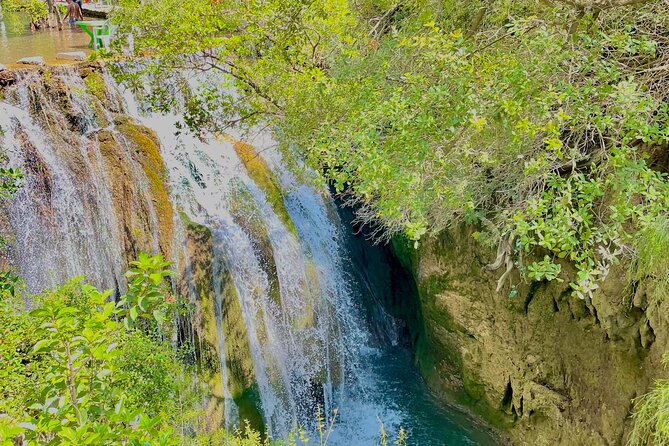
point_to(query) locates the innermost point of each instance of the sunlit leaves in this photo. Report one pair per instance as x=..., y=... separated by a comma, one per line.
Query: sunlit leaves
x=146, y=296
x=87, y=379
x=423, y=123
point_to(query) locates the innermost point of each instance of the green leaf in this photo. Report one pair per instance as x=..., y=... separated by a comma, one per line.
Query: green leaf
x=142, y=301
x=156, y=277
x=42, y=345
x=159, y=315
x=119, y=405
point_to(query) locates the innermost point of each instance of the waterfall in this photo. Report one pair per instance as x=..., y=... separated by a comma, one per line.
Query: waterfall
x=275, y=307
x=61, y=221
x=299, y=364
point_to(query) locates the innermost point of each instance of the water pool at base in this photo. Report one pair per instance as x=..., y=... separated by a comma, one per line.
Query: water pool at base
x=426, y=419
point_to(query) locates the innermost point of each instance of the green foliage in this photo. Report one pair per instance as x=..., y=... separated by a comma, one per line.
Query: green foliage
x=529, y=118
x=543, y=270
x=66, y=352
x=36, y=9
x=75, y=375
x=10, y=181
x=146, y=297
x=651, y=416
x=151, y=381
x=651, y=262
x=8, y=283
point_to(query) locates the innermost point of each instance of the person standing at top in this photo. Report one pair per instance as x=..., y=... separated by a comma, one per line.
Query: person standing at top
x=73, y=12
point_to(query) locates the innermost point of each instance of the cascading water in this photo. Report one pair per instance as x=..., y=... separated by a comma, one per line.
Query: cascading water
x=61, y=219
x=278, y=255
x=298, y=366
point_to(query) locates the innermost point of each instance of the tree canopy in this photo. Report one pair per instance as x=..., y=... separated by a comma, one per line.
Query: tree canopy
x=543, y=123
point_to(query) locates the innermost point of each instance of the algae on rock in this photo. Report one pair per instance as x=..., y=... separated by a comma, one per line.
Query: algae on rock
x=239, y=363
x=261, y=174
x=145, y=150
x=544, y=367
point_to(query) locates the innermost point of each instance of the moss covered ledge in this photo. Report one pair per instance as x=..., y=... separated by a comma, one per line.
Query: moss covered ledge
x=262, y=175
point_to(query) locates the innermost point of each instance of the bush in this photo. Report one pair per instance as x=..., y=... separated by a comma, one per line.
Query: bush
x=36, y=9
x=76, y=375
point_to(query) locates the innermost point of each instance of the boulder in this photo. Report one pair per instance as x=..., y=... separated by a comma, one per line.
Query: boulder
x=73, y=55
x=36, y=60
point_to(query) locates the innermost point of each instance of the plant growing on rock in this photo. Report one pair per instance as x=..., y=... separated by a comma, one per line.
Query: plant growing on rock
x=651, y=415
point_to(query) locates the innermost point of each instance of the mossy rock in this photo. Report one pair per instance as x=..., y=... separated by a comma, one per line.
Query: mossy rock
x=132, y=210
x=95, y=85
x=262, y=175
x=247, y=215
x=404, y=251
x=248, y=403
x=145, y=147
x=239, y=362
x=237, y=349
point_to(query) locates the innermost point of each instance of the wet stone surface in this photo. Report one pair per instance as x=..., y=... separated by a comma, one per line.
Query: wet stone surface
x=35, y=60
x=71, y=55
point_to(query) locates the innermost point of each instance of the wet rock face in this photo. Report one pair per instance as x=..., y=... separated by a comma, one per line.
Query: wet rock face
x=7, y=77
x=239, y=363
x=94, y=195
x=133, y=201
x=545, y=367
x=144, y=149
x=246, y=214
x=259, y=171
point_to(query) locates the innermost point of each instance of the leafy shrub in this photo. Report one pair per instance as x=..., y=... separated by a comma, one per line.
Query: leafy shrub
x=531, y=120
x=74, y=374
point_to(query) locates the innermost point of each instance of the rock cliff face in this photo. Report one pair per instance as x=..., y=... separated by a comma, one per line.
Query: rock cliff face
x=197, y=282
x=544, y=367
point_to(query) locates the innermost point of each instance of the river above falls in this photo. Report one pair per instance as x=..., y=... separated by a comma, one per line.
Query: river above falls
x=18, y=41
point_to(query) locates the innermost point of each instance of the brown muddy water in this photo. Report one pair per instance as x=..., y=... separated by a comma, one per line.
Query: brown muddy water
x=18, y=41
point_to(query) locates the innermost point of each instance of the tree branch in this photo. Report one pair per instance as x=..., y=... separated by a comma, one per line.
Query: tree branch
x=478, y=19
